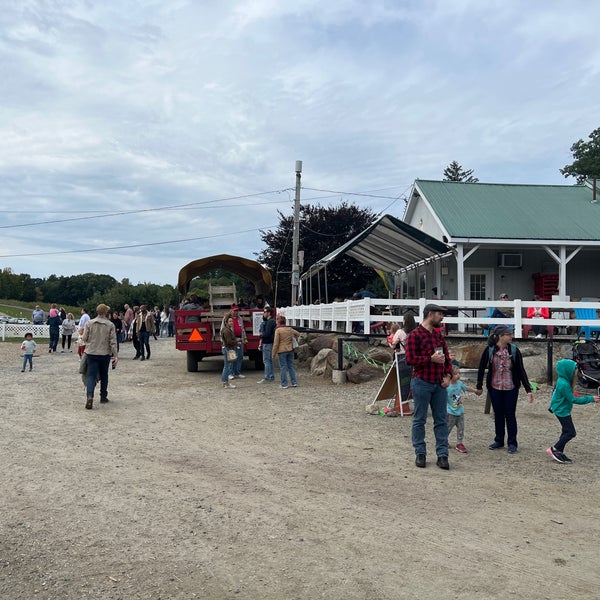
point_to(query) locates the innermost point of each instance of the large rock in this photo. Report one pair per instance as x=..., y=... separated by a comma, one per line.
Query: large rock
x=328, y=340
x=304, y=354
x=321, y=363
x=381, y=354
x=469, y=355
x=362, y=372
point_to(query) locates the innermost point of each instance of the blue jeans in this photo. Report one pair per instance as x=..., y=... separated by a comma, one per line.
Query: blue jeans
x=236, y=367
x=227, y=366
x=286, y=363
x=97, y=364
x=267, y=357
x=427, y=394
x=54, y=335
x=28, y=358
x=504, y=403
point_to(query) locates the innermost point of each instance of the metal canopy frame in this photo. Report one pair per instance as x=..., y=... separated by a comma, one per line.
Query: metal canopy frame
x=388, y=244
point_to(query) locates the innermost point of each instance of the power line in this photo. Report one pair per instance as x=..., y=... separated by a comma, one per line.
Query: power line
x=143, y=210
x=352, y=193
x=206, y=237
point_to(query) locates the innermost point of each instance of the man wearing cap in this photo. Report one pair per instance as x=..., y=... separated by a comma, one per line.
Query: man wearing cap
x=503, y=313
x=100, y=339
x=427, y=353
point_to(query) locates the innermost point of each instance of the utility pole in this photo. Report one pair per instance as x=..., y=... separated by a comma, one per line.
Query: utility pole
x=296, y=237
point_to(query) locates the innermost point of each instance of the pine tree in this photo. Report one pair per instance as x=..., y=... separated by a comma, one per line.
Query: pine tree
x=454, y=172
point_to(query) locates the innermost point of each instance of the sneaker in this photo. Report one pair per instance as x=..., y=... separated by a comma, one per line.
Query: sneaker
x=495, y=446
x=240, y=376
x=294, y=385
x=565, y=458
x=442, y=462
x=538, y=336
x=263, y=380
x=461, y=448
x=512, y=449
x=229, y=386
x=283, y=387
x=22, y=370
x=230, y=377
x=557, y=456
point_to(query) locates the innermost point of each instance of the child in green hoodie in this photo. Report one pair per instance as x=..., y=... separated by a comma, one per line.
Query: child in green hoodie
x=561, y=405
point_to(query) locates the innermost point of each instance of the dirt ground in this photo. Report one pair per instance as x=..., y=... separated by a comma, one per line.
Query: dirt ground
x=180, y=489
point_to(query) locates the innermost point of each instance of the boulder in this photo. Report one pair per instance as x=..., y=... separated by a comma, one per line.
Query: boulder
x=304, y=354
x=381, y=354
x=322, y=364
x=328, y=340
x=362, y=372
x=469, y=355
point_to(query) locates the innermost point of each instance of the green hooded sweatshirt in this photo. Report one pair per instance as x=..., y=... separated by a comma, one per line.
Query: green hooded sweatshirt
x=563, y=397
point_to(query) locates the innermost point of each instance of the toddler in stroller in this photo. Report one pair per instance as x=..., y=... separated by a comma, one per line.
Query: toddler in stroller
x=587, y=356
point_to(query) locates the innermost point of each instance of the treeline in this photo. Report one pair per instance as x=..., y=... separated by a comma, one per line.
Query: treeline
x=86, y=290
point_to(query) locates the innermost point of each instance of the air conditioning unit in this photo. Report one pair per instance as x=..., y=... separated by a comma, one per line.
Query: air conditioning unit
x=507, y=260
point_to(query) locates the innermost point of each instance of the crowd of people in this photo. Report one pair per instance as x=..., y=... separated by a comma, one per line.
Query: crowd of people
x=99, y=339
x=436, y=384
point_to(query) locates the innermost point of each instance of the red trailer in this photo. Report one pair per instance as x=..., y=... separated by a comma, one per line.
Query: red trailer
x=197, y=332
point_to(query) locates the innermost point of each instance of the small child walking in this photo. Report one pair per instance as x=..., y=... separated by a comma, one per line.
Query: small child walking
x=456, y=409
x=28, y=346
x=561, y=406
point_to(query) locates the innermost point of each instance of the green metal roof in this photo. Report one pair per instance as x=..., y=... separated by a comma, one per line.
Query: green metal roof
x=511, y=211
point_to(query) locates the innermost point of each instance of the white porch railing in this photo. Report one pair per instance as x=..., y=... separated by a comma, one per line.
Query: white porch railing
x=340, y=316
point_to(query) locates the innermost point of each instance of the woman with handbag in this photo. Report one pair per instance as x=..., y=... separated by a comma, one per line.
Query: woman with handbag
x=283, y=347
x=229, y=346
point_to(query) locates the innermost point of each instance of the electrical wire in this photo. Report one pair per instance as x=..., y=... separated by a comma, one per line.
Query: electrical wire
x=194, y=239
x=142, y=210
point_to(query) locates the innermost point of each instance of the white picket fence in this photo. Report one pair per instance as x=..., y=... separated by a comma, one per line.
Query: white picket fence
x=10, y=330
x=340, y=316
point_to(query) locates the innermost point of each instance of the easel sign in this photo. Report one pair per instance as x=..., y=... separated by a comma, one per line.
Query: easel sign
x=396, y=384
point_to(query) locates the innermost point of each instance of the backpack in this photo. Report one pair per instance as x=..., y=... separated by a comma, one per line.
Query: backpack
x=513, y=353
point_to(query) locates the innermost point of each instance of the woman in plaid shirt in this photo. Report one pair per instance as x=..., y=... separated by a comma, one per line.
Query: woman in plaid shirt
x=505, y=375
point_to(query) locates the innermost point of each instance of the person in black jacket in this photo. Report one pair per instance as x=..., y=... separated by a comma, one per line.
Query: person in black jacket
x=505, y=374
x=267, y=334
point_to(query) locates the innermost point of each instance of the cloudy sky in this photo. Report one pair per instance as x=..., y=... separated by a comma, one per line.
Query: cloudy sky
x=136, y=136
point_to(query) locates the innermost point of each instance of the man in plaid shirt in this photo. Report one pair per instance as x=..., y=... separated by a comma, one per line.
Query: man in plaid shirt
x=427, y=353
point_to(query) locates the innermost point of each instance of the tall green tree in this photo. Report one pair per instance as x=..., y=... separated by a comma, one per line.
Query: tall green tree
x=587, y=159
x=455, y=172
x=322, y=230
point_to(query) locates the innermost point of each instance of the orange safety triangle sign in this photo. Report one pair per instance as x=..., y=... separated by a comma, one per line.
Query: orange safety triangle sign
x=196, y=336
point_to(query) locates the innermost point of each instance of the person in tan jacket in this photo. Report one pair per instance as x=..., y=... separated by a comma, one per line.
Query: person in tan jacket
x=100, y=339
x=144, y=326
x=283, y=348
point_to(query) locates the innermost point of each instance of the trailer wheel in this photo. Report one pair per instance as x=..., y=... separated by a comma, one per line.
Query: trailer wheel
x=192, y=361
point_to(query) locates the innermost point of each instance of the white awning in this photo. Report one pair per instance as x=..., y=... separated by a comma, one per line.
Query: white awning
x=388, y=244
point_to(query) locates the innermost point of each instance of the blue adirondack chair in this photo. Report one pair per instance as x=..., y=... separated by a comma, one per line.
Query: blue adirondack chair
x=497, y=321
x=587, y=330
